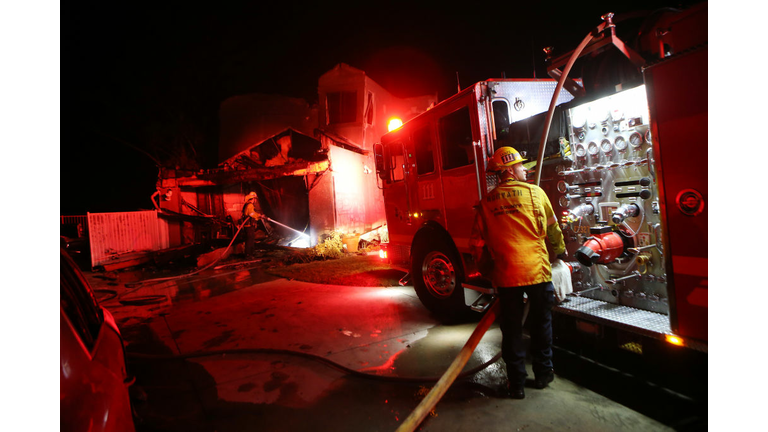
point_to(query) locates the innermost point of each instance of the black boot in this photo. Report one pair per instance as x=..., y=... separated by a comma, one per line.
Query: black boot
x=516, y=391
x=543, y=379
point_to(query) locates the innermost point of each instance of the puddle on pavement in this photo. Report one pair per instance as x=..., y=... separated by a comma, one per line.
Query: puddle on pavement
x=431, y=353
x=216, y=285
x=201, y=287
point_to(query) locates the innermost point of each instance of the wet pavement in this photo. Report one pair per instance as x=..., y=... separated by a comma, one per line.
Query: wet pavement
x=237, y=349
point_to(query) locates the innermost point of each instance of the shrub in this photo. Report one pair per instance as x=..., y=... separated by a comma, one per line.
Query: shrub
x=330, y=248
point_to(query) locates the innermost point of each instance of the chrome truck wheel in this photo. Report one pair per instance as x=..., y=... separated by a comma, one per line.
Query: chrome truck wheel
x=439, y=274
x=437, y=280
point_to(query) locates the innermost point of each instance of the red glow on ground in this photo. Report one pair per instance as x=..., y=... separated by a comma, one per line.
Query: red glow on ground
x=386, y=368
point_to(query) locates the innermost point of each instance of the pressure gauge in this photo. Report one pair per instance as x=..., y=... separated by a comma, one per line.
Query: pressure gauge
x=620, y=143
x=578, y=118
x=617, y=115
x=601, y=116
x=606, y=146
x=563, y=201
x=580, y=150
x=593, y=149
x=636, y=140
x=648, y=137
x=562, y=187
x=598, y=115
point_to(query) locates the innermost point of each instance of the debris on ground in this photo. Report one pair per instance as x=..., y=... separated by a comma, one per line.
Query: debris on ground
x=331, y=261
x=420, y=394
x=213, y=256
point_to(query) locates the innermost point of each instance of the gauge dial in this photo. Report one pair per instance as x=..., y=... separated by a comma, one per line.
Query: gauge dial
x=635, y=140
x=593, y=149
x=600, y=115
x=580, y=150
x=620, y=143
x=617, y=115
x=563, y=201
x=562, y=187
x=648, y=137
x=578, y=118
x=606, y=146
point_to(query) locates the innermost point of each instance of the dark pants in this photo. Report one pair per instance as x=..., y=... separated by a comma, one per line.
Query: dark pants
x=542, y=298
x=250, y=240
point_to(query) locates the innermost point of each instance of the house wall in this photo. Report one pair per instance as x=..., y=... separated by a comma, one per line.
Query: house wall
x=321, y=206
x=385, y=106
x=233, y=198
x=359, y=202
x=342, y=78
x=353, y=202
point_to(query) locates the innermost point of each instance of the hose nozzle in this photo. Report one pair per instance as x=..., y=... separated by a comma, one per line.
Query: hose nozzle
x=625, y=211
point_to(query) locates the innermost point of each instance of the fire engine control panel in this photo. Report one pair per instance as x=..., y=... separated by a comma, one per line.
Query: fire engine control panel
x=607, y=200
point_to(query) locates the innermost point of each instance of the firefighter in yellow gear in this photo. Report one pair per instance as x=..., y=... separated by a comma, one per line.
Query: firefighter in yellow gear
x=513, y=222
x=251, y=224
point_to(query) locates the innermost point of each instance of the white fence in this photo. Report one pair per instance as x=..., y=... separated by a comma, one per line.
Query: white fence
x=116, y=237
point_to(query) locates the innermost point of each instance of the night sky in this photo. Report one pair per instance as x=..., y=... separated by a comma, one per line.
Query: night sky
x=142, y=84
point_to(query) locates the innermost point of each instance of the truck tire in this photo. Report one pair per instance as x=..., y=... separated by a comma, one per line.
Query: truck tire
x=437, y=280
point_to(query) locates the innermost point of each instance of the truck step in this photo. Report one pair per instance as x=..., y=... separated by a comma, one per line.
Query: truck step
x=631, y=319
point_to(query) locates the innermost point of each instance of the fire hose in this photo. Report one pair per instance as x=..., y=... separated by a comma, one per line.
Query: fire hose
x=450, y=375
x=555, y=96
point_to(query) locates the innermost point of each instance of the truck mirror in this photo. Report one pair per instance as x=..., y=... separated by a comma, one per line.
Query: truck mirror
x=378, y=155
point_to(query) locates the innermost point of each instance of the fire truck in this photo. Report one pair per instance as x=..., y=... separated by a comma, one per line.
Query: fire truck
x=621, y=153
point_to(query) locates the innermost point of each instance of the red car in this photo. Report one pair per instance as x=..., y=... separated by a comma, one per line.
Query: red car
x=94, y=383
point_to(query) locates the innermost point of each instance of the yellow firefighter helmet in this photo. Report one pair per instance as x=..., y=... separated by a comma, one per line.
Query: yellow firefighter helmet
x=504, y=157
x=250, y=195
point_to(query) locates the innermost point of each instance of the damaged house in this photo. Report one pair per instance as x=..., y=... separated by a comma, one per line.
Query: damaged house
x=311, y=166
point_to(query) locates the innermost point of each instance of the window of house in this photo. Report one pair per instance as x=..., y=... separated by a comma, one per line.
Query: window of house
x=341, y=107
x=455, y=131
x=396, y=162
x=422, y=144
x=369, y=109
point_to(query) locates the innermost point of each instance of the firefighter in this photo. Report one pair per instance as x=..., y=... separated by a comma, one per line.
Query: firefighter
x=252, y=218
x=513, y=221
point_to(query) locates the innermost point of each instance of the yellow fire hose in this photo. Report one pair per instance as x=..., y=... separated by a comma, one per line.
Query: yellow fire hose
x=420, y=412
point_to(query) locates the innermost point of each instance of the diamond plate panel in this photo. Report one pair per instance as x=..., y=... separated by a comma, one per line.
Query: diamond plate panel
x=535, y=96
x=631, y=319
x=491, y=181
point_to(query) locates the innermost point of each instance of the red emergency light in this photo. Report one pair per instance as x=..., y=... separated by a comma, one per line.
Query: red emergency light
x=393, y=124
